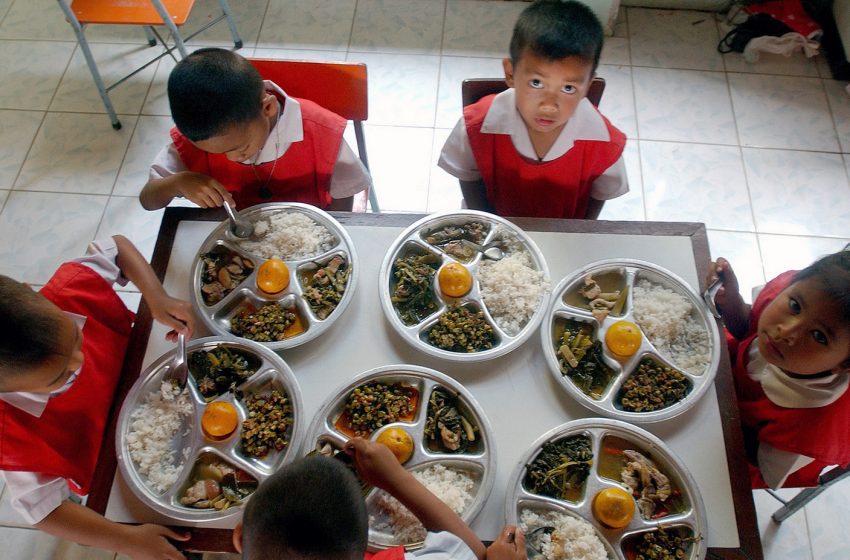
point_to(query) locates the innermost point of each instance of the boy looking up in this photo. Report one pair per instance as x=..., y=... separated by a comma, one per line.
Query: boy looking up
x=243, y=140
x=540, y=148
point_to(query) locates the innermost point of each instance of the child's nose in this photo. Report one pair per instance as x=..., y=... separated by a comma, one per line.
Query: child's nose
x=789, y=330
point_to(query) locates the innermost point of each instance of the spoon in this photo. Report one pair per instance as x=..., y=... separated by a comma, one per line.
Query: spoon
x=708, y=296
x=178, y=373
x=490, y=251
x=532, y=541
x=238, y=227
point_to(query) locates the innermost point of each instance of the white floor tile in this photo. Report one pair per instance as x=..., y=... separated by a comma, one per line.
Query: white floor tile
x=826, y=515
x=4, y=7
x=453, y=71
x=248, y=15
x=398, y=26
x=786, y=252
x=298, y=54
x=630, y=206
x=839, y=103
x=126, y=216
x=319, y=24
x=683, y=106
x=786, y=541
x=618, y=100
x=131, y=300
x=400, y=178
x=150, y=136
x=798, y=193
x=30, y=72
x=17, y=130
x=476, y=28
x=42, y=230
x=402, y=88
x=742, y=251
x=681, y=181
x=156, y=102
x=36, y=19
x=782, y=112
x=444, y=190
x=75, y=152
x=615, y=51
x=673, y=39
x=3, y=196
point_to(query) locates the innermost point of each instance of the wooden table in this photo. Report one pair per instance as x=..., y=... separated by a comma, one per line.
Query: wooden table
x=701, y=436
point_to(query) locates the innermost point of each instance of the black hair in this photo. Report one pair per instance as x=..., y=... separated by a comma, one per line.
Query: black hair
x=557, y=29
x=309, y=509
x=212, y=89
x=28, y=333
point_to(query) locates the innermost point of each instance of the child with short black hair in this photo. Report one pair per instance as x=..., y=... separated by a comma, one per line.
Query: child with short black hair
x=61, y=354
x=313, y=509
x=242, y=140
x=790, y=352
x=540, y=148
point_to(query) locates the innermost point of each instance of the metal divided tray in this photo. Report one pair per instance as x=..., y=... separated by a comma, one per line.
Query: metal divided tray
x=476, y=459
x=415, y=327
x=190, y=445
x=681, y=514
x=617, y=386
x=246, y=296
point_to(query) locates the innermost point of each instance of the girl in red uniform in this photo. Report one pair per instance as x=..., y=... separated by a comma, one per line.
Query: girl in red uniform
x=791, y=363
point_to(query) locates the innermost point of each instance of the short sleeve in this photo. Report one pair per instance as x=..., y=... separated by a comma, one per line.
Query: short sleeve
x=34, y=495
x=612, y=183
x=102, y=257
x=350, y=176
x=442, y=546
x=457, y=158
x=166, y=163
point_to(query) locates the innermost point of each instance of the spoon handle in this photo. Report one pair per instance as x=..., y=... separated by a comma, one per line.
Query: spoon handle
x=230, y=213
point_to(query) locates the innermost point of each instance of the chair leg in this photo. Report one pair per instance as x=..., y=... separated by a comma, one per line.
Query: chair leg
x=84, y=46
x=225, y=7
x=807, y=495
x=172, y=28
x=361, y=150
x=150, y=35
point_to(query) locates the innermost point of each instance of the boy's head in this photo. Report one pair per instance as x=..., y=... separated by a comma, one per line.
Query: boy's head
x=309, y=509
x=554, y=52
x=40, y=345
x=218, y=102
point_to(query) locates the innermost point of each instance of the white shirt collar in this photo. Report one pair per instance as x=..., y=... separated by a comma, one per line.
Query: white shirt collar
x=35, y=403
x=503, y=118
x=792, y=392
x=288, y=129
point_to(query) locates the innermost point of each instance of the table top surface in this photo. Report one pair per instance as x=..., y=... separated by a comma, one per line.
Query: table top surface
x=706, y=437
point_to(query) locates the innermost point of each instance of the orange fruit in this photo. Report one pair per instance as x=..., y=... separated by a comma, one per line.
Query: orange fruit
x=273, y=276
x=219, y=420
x=399, y=442
x=613, y=507
x=455, y=280
x=623, y=338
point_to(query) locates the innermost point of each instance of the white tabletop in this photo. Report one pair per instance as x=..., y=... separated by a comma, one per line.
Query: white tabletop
x=517, y=393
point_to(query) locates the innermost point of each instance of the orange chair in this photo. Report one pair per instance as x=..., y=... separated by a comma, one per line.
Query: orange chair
x=146, y=13
x=474, y=89
x=340, y=87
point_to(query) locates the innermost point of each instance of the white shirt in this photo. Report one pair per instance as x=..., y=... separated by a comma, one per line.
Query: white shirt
x=349, y=176
x=503, y=117
x=442, y=546
x=34, y=495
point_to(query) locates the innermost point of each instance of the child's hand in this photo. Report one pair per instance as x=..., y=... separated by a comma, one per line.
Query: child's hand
x=173, y=313
x=204, y=191
x=509, y=545
x=729, y=292
x=150, y=542
x=376, y=464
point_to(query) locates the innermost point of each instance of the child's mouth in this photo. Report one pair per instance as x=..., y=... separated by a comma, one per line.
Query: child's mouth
x=544, y=122
x=771, y=346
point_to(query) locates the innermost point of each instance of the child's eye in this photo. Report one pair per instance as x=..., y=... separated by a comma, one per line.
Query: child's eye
x=535, y=83
x=793, y=305
x=569, y=89
x=820, y=338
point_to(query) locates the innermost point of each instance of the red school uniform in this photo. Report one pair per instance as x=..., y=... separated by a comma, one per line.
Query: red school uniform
x=820, y=433
x=65, y=440
x=302, y=174
x=516, y=186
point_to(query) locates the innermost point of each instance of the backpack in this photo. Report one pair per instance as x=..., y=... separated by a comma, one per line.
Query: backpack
x=756, y=25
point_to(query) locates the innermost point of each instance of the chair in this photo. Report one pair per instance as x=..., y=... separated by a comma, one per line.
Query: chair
x=474, y=89
x=340, y=87
x=145, y=13
x=789, y=507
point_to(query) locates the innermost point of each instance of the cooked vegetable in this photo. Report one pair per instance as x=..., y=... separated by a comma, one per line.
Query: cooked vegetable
x=267, y=324
x=267, y=425
x=445, y=426
x=664, y=545
x=222, y=271
x=653, y=387
x=461, y=330
x=217, y=485
x=472, y=231
x=219, y=369
x=561, y=468
x=412, y=294
x=580, y=359
x=376, y=404
x=324, y=287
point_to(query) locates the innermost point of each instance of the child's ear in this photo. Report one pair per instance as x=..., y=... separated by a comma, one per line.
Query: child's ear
x=237, y=537
x=269, y=105
x=508, y=66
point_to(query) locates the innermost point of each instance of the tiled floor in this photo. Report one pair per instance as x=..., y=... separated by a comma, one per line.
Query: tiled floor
x=759, y=152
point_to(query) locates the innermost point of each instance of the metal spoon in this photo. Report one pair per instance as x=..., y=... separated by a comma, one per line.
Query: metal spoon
x=708, y=296
x=532, y=541
x=178, y=373
x=490, y=251
x=238, y=227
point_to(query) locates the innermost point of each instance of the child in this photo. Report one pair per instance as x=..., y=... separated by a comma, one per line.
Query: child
x=540, y=148
x=791, y=358
x=61, y=352
x=313, y=509
x=242, y=140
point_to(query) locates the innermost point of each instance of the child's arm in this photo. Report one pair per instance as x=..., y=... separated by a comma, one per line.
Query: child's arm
x=204, y=191
x=77, y=523
x=377, y=466
x=733, y=310
x=594, y=207
x=475, y=195
x=509, y=545
x=171, y=312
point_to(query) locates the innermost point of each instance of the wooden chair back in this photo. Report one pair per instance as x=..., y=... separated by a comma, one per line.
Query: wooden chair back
x=474, y=89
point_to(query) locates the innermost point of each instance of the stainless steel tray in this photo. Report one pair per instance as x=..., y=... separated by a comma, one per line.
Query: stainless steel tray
x=479, y=462
x=568, y=305
x=272, y=373
x=606, y=435
x=217, y=317
x=412, y=241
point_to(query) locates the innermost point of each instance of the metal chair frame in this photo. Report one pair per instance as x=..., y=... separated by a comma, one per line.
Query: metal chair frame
x=790, y=507
x=152, y=36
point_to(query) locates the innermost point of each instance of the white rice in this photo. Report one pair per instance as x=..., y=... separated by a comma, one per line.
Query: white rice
x=511, y=289
x=153, y=426
x=572, y=539
x=288, y=235
x=453, y=487
x=669, y=321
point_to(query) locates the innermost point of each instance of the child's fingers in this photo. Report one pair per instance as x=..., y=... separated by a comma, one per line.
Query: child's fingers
x=174, y=535
x=507, y=534
x=519, y=539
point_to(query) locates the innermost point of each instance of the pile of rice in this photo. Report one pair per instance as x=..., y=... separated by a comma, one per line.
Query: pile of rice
x=153, y=426
x=572, y=539
x=511, y=289
x=287, y=236
x=668, y=320
x=453, y=487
